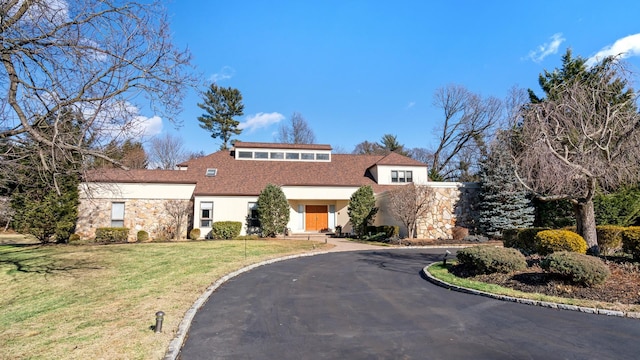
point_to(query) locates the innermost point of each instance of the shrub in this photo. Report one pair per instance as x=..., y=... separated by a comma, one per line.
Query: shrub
x=194, y=234
x=459, y=233
x=609, y=238
x=522, y=239
x=550, y=241
x=226, y=229
x=490, y=259
x=113, y=235
x=142, y=236
x=74, y=238
x=370, y=230
x=389, y=230
x=631, y=241
x=577, y=268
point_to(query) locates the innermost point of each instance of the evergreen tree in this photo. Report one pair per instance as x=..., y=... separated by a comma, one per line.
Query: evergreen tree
x=503, y=202
x=362, y=209
x=273, y=211
x=221, y=106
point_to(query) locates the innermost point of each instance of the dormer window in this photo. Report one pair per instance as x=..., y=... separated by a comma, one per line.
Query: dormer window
x=401, y=176
x=211, y=172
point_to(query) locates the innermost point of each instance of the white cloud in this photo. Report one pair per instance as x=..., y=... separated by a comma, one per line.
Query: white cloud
x=148, y=126
x=547, y=49
x=261, y=120
x=624, y=47
x=225, y=73
x=411, y=104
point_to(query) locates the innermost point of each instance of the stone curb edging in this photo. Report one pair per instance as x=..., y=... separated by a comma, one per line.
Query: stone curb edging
x=547, y=304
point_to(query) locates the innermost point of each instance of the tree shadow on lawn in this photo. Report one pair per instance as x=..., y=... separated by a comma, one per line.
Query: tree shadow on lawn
x=35, y=259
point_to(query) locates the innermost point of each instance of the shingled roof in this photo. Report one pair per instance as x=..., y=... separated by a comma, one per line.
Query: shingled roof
x=249, y=177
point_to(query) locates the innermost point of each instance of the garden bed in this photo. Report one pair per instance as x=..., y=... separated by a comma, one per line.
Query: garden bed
x=623, y=286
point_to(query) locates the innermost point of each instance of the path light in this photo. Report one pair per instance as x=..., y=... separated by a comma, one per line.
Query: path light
x=444, y=258
x=159, y=318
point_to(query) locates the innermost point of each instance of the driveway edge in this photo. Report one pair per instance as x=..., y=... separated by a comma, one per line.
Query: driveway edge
x=552, y=305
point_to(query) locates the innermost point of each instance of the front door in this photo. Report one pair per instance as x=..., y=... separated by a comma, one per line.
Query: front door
x=316, y=217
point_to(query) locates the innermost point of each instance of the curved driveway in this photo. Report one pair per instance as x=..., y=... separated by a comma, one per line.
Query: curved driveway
x=375, y=305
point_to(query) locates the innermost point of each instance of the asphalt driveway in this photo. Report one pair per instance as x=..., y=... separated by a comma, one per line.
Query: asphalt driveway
x=375, y=305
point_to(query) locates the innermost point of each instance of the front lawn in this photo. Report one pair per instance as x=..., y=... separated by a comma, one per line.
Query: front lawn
x=99, y=302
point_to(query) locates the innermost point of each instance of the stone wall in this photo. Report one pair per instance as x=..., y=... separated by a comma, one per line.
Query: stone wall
x=139, y=214
x=454, y=205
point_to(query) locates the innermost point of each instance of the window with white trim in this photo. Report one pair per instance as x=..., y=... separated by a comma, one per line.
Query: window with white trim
x=117, y=214
x=401, y=176
x=206, y=214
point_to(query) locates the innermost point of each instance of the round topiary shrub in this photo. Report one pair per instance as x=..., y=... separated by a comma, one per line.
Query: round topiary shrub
x=609, y=238
x=74, y=238
x=490, y=259
x=550, y=241
x=194, y=234
x=522, y=239
x=578, y=268
x=142, y=236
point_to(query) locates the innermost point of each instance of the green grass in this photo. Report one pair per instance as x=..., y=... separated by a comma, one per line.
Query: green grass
x=99, y=301
x=441, y=272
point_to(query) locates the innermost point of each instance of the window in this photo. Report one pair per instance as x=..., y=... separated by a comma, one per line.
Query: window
x=253, y=221
x=261, y=155
x=400, y=176
x=211, y=172
x=308, y=156
x=117, y=214
x=293, y=156
x=206, y=214
x=322, y=156
x=277, y=155
x=245, y=154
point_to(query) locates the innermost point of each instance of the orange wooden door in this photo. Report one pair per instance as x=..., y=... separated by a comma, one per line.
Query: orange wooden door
x=316, y=217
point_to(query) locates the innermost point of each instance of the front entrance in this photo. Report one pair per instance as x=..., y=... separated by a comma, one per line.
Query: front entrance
x=316, y=217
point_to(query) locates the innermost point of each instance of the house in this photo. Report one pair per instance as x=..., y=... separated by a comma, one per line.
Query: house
x=224, y=186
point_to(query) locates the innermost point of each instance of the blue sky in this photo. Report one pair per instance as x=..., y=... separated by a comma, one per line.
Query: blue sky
x=357, y=70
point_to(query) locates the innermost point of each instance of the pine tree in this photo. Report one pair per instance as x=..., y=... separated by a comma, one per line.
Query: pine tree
x=273, y=211
x=503, y=202
x=221, y=106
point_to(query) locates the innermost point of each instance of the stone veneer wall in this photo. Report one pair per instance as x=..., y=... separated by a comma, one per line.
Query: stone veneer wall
x=454, y=205
x=139, y=214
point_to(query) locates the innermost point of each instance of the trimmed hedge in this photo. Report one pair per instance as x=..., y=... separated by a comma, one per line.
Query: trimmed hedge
x=112, y=235
x=631, y=241
x=577, y=268
x=226, y=229
x=609, y=238
x=194, y=234
x=550, y=241
x=522, y=239
x=490, y=259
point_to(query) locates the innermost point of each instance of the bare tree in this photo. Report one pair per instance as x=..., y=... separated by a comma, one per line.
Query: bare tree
x=408, y=203
x=167, y=151
x=468, y=122
x=584, y=136
x=297, y=131
x=178, y=211
x=94, y=58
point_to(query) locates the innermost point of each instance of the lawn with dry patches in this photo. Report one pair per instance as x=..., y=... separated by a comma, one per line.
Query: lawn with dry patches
x=99, y=301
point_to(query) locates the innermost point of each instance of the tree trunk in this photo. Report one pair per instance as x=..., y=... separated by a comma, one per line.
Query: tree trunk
x=586, y=225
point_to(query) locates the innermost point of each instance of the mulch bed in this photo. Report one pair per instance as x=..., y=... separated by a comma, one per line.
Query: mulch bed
x=622, y=287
